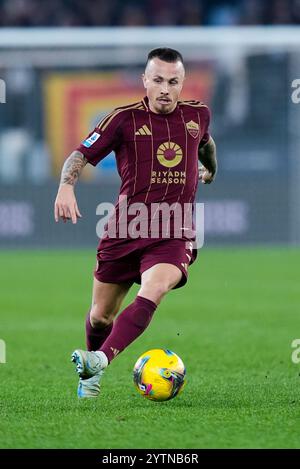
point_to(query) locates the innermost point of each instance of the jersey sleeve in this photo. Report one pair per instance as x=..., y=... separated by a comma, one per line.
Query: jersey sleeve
x=205, y=127
x=105, y=137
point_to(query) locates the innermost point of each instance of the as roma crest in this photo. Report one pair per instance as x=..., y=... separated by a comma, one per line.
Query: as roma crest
x=193, y=128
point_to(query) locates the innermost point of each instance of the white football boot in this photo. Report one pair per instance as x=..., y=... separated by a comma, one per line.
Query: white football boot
x=90, y=366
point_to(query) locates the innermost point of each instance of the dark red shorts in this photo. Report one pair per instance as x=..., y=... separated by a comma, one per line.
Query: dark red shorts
x=145, y=253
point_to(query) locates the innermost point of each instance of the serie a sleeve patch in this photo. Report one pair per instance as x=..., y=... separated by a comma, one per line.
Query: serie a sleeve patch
x=88, y=142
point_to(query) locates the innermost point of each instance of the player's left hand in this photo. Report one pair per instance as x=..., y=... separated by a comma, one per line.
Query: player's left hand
x=205, y=176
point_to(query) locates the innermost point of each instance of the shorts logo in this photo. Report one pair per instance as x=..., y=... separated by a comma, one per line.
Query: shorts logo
x=169, y=154
x=192, y=128
x=92, y=139
x=184, y=265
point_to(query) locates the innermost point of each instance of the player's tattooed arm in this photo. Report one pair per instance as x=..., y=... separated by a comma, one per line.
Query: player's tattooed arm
x=65, y=206
x=72, y=168
x=208, y=158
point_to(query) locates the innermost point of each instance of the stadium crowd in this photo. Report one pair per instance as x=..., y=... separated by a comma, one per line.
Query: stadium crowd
x=29, y=13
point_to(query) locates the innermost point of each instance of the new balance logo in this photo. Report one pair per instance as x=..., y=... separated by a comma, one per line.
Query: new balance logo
x=143, y=131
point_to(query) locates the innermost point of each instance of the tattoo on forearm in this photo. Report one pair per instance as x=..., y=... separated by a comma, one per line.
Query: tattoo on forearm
x=72, y=168
x=208, y=156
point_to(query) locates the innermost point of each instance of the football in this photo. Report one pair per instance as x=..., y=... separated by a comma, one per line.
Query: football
x=159, y=375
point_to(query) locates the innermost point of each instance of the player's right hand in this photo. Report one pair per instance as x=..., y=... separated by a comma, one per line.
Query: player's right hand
x=65, y=206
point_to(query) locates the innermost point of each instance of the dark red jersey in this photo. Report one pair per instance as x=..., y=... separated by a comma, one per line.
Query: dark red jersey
x=156, y=154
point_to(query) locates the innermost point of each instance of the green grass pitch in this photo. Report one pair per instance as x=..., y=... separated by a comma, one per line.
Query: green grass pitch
x=233, y=325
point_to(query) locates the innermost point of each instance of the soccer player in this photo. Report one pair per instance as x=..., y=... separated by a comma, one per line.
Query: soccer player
x=163, y=147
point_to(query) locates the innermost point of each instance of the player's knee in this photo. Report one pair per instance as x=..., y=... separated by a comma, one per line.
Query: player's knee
x=157, y=289
x=100, y=322
x=99, y=318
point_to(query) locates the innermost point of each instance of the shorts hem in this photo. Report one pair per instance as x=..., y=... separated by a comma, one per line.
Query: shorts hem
x=104, y=279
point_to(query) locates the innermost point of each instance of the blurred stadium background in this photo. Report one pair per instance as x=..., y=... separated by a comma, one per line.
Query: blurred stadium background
x=59, y=82
x=65, y=63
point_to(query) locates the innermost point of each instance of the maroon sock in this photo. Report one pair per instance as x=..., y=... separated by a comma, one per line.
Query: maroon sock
x=95, y=337
x=130, y=324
